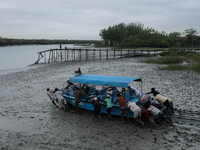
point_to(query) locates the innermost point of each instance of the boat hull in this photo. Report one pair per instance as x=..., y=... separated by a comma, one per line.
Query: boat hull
x=89, y=106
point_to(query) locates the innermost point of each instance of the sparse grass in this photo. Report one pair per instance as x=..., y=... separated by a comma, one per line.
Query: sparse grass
x=196, y=67
x=166, y=60
x=174, y=67
x=174, y=60
x=197, y=57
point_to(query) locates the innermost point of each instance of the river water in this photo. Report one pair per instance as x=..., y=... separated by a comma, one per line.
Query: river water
x=15, y=57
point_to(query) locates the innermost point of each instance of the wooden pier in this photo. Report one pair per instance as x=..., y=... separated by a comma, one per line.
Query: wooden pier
x=78, y=54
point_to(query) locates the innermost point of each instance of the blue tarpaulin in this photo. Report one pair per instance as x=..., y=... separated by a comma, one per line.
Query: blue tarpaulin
x=116, y=81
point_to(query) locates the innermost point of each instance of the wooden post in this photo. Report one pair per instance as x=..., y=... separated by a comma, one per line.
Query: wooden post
x=49, y=56
x=93, y=54
x=114, y=53
x=107, y=54
x=99, y=54
x=61, y=55
x=52, y=56
x=45, y=57
x=86, y=52
x=80, y=54
x=121, y=53
x=57, y=55
x=54, y=52
x=65, y=53
x=74, y=55
x=128, y=54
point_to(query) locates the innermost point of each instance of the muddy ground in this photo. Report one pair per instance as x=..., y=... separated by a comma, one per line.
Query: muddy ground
x=28, y=119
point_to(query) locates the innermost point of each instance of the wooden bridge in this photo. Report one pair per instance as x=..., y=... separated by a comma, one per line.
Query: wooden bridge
x=77, y=54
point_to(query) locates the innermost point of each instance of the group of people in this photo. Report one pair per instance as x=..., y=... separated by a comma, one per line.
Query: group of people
x=159, y=107
x=160, y=110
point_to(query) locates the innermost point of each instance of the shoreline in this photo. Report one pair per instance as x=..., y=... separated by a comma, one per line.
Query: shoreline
x=30, y=121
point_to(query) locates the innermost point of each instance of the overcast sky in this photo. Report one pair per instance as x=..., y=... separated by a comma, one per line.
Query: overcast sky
x=84, y=19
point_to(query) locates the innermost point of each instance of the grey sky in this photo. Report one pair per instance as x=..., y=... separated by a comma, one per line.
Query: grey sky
x=84, y=19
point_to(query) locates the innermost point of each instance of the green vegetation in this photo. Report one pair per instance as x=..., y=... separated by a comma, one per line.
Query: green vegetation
x=166, y=60
x=9, y=41
x=174, y=61
x=174, y=67
x=196, y=67
x=135, y=35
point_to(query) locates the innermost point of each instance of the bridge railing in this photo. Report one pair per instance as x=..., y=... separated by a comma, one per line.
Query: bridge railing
x=65, y=55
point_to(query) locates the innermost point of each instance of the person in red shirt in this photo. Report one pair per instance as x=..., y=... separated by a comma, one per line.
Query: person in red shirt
x=147, y=115
x=97, y=108
x=123, y=107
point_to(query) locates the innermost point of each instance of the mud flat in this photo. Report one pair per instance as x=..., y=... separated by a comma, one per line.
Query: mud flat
x=30, y=121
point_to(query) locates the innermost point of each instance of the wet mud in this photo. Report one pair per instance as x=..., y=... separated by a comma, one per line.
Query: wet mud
x=28, y=119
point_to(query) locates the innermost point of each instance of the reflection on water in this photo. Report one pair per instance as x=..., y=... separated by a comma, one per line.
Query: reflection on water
x=12, y=57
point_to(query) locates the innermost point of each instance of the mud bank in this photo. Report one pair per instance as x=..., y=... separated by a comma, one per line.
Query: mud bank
x=30, y=121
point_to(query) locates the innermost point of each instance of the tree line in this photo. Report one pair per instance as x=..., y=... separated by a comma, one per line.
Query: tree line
x=10, y=41
x=135, y=35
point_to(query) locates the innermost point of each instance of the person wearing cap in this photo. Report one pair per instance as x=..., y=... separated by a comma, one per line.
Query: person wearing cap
x=93, y=99
x=123, y=107
x=78, y=72
x=109, y=105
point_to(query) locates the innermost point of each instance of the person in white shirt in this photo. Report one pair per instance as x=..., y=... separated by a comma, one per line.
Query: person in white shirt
x=52, y=97
x=133, y=91
x=60, y=98
x=156, y=113
x=136, y=110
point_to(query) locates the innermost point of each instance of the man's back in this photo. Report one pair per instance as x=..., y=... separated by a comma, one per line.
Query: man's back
x=153, y=110
x=121, y=101
x=97, y=105
x=132, y=106
x=77, y=94
x=59, y=95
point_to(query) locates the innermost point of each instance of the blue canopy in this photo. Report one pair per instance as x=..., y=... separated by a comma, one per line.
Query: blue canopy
x=116, y=81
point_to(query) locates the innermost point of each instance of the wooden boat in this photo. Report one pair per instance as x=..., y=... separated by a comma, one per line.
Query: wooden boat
x=99, y=86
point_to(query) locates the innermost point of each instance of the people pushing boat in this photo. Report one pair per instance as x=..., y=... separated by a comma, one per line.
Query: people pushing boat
x=84, y=87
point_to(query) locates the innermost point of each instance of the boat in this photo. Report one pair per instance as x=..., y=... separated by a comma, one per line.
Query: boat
x=100, y=85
